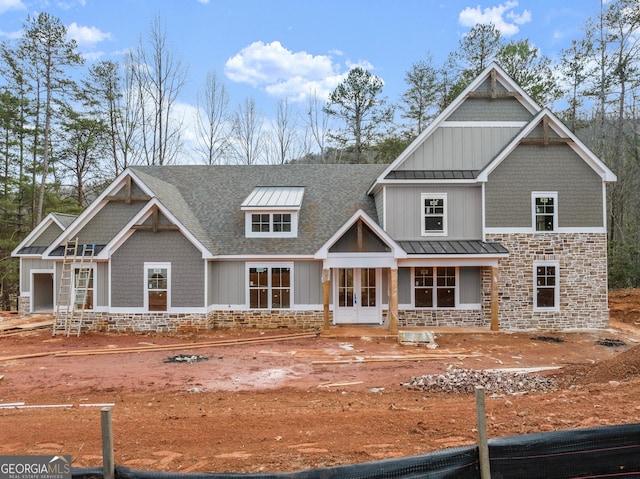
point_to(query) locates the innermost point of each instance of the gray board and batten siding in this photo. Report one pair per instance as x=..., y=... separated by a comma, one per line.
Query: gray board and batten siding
x=464, y=211
x=187, y=269
x=470, y=285
x=28, y=264
x=552, y=168
x=227, y=283
x=460, y=148
x=100, y=283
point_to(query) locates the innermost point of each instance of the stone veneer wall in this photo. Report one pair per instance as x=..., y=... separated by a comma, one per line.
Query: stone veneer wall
x=582, y=259
x=157, y=322
x=267, y=319
x=440, y=317
x=24, y=305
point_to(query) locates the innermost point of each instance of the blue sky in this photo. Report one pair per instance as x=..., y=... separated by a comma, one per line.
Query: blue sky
x=269, y=49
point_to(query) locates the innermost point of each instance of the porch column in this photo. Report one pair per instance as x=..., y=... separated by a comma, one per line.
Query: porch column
x=393, y=300
x=495, y=273
x=326, y=276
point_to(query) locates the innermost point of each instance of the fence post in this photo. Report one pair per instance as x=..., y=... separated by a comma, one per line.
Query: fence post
x=108, y=464
x=483, y=446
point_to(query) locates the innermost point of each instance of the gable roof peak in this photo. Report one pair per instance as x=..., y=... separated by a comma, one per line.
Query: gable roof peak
x=494, y=73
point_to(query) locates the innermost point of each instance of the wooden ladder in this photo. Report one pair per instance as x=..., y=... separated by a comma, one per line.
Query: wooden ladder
x=64, y=304
x=83, y=284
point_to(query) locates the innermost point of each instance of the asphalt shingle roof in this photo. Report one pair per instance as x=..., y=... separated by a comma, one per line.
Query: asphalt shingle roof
x=207, y=200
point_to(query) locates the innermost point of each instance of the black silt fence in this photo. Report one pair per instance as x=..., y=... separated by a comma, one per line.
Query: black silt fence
x=604, y=452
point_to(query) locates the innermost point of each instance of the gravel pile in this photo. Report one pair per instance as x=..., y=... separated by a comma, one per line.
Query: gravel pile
x=465, y=381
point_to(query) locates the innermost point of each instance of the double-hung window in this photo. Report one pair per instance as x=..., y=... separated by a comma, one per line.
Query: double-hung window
x=157, y=278
x=546, y=291
x=435, y=287
x=545, y=211
x=269, y=286
x=433, y=214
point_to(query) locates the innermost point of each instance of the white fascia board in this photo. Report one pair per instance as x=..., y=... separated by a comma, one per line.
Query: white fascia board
x=142, y=215
x=434, y=181
x=529, y=230
x=43, y=225
x=467, y=260
x=360, y=260
x=505, y=79
x=396, y=251
x=485, y=124
x=262, y=257
x=94, y=208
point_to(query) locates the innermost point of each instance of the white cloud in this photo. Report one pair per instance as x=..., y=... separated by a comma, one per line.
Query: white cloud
x=11, y=35
x=283, y=73
x=86, y=36
x=6, y=5
x=502, y=16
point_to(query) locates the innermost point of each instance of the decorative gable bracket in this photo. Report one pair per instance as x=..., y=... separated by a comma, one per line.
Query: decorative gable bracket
x=546, y=140
x=493, y=92
x=127, y=198
x=155, y=226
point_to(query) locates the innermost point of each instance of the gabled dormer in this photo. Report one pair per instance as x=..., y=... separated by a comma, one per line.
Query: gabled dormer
x=272, y=211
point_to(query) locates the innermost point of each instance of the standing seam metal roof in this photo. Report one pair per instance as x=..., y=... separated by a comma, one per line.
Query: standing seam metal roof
x=476, y=247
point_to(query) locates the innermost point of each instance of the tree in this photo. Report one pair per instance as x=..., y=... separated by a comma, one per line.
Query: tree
x=159, y=77
x=356, y=102
x=575, y=69
x=50, y=54
x=284, y=133
x=476, y=50
x=101, y=96
x=85, y=143
x=247, y=133
x=420, y=100
x=532, y=71
x=213, y=121
x=317, y=122
x=18, y=87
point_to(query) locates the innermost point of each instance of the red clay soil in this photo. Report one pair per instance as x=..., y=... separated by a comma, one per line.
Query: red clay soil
x=299, y=403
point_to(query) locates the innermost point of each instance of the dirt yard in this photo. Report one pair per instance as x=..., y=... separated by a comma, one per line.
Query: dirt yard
x=293, y=403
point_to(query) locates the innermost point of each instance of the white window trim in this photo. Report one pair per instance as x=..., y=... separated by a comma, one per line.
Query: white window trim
x=147, y=267
x=544, y=194
x=435, y=288
x=271, y=234
x=269, y=266
x=433, y=196
x=556, y=292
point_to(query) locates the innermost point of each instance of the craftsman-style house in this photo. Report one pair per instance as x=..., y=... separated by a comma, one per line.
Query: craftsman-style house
x=495, y=216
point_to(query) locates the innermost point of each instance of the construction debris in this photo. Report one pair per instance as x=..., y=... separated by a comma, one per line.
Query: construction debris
x=496, y=381
x=548, y=339
x=186, y=358
x=610, y=343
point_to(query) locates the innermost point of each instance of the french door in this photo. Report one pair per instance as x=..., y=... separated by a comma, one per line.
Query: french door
x=357, y=296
